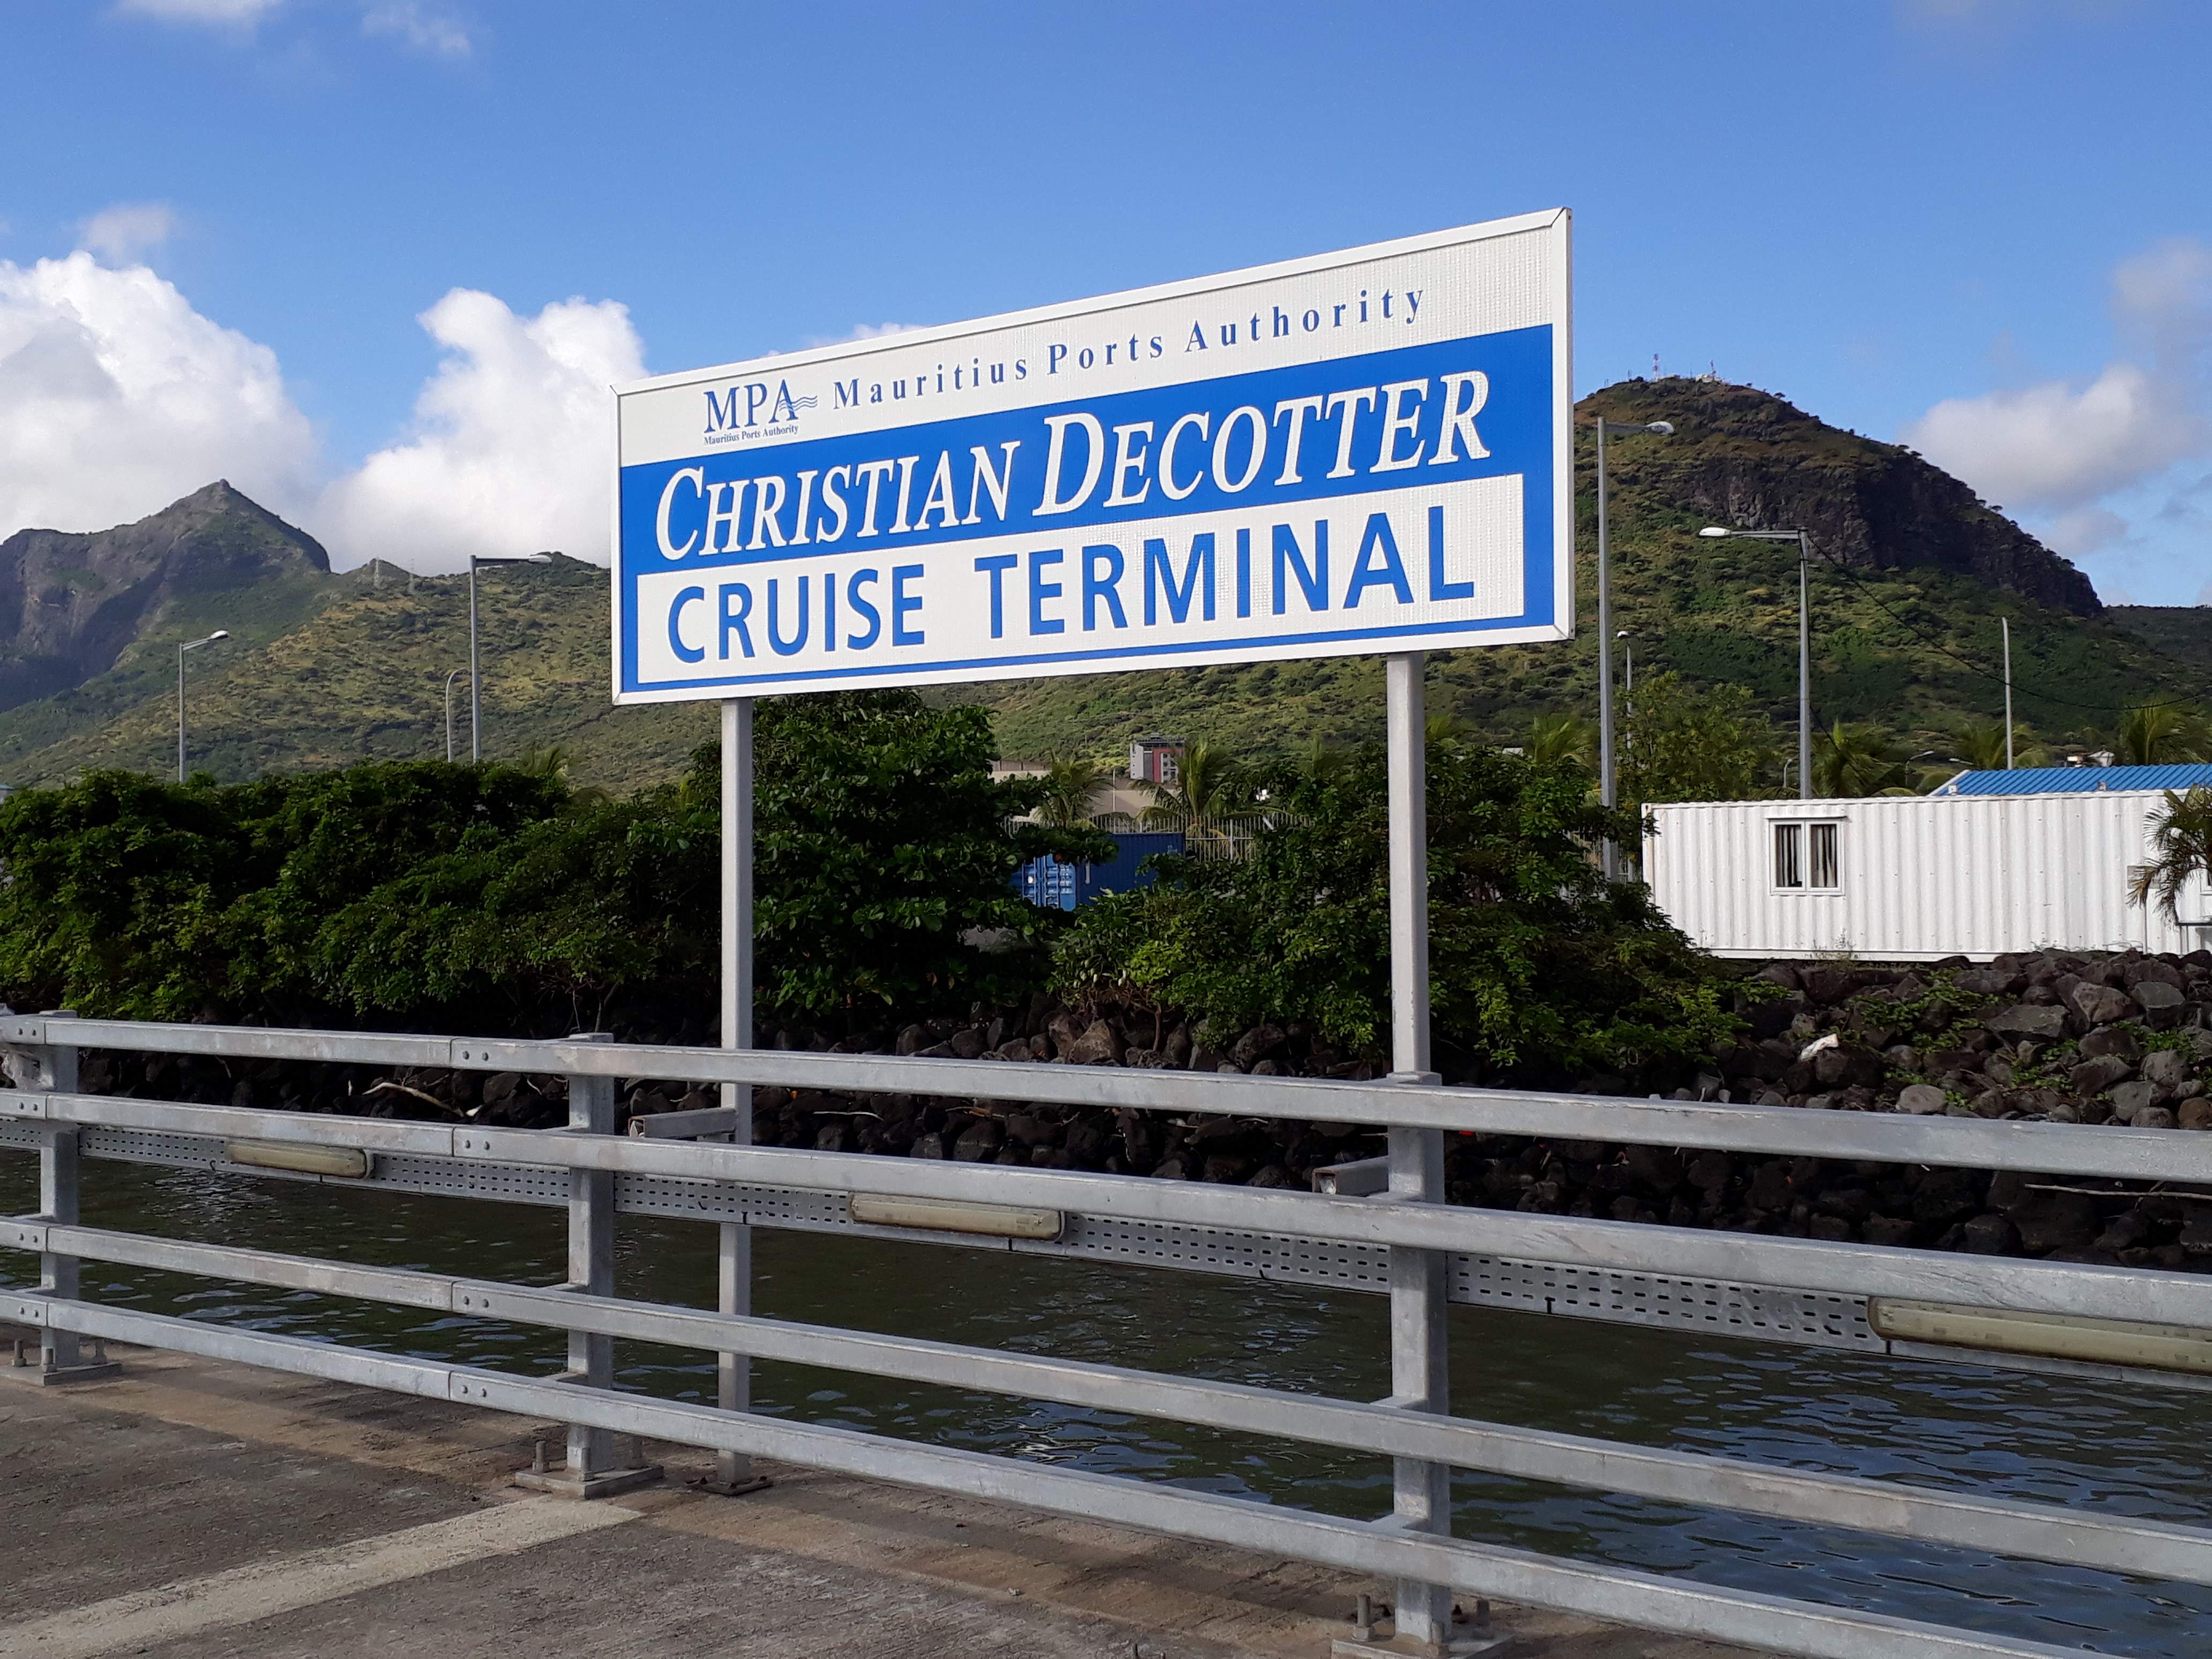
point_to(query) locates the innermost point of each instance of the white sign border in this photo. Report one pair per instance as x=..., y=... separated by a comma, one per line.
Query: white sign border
x=1559, y=221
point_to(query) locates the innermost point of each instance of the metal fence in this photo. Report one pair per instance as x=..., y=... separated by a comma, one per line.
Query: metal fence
x=595, y=1172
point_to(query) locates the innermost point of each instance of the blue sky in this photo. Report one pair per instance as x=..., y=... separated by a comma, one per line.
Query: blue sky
x=329, y=247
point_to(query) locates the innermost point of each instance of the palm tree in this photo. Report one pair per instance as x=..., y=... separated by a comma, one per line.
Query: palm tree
x=550, y=762
x=2181, y=848
x=1563, y=738
x=1321, y=760
x=1070, y=784
x=547, y=761
x=2159, y=733
x=1209, y=788
x=1857, y=760
x=1980, y=745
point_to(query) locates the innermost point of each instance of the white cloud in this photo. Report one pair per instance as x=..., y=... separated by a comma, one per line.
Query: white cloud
x=418, y=26
x=238, y=14
x=510, y=449
x=126, y=231
x=2085, y=530
x=116, y=398
x=2060, y=446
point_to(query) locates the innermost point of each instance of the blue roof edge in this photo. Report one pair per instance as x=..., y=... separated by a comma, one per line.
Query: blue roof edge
x=2079, y=779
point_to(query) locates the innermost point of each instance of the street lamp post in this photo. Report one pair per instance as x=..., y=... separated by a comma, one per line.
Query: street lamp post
x=2005, y=623
x=190, y=645
x=1804, y=642
x=450, y=679
x=1606, y=791
x=476, y=698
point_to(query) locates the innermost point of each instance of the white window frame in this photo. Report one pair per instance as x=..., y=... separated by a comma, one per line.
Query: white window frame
x=1804, y=836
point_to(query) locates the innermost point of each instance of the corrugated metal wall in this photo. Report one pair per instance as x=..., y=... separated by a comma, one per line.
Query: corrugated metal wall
x=1922, y=876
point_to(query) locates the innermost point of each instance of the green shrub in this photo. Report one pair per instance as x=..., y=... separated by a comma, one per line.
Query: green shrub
x=494, y=897
x=1537, y=963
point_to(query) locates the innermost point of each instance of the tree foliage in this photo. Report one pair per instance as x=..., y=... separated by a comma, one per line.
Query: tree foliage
x=1979, y=745
x=884, y=844
x=1210, y=790
x=2181, y=851
x=1537, y=963
x=480, y=897
x=2160, y=734
x=1853, y=761
x=1563, y=738
x=1686, y=744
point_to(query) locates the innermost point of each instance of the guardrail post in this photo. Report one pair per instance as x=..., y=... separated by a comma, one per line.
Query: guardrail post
x=1419, y=1372
x=733, y=1471
x=590, y=1471
x=61, y=1358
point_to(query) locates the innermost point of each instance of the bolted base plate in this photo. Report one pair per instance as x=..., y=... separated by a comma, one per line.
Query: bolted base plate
x=609, y=1482
x=1460, y=1647
x=35, y=1375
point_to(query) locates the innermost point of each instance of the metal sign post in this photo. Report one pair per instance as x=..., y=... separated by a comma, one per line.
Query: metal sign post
x=1419, y=1373
x=733, y=1471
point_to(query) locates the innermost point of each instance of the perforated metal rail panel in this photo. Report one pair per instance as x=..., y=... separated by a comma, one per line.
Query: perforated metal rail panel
x=1722, y=1309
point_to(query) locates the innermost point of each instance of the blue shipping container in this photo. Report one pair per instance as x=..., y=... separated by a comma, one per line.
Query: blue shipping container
x=1057, y=886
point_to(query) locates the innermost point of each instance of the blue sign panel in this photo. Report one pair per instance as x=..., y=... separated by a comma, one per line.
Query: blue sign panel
x=1365, y=452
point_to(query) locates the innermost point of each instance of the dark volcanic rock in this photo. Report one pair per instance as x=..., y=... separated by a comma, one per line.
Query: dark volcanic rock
x=2024, y=1019
x=2050, y=1221
x=2116, y=1040
x=2094, y=1076
x=2100, y=1005
x=2160, y=1002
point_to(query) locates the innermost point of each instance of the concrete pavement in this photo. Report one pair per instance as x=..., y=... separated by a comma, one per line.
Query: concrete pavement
x=190, y=1508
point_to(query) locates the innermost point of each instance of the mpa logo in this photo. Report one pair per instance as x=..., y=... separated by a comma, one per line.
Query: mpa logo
x=752, y=403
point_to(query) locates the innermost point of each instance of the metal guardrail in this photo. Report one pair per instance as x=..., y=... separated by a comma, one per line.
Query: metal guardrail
x=1651, y=1300
x=590, y=1160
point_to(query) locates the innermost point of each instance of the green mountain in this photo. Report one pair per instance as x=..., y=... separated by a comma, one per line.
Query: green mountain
x=319, y=669
x=1911, y=576
x=364, y=678
x=2183, y=632
x=89, y=623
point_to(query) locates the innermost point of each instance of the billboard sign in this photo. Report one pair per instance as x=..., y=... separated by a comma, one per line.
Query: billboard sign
x=1364, y=452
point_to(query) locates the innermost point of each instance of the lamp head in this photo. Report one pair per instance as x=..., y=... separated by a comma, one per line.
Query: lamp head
x=1664, y=429
x=1716, y=530
x=219, y=634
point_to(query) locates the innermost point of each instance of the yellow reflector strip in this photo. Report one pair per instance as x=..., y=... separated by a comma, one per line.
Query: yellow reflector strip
x=944, y=1215
x=2057, y=1336
x=347, y=1161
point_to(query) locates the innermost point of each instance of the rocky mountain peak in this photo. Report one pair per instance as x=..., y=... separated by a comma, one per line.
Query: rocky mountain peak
x=1746, y=457
x=71, y=603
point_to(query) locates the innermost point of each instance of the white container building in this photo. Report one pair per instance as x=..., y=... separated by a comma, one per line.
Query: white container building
x=1974, y=870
